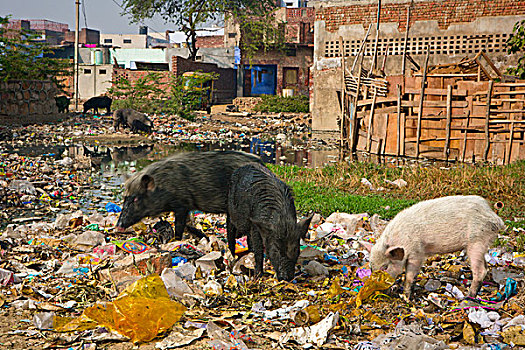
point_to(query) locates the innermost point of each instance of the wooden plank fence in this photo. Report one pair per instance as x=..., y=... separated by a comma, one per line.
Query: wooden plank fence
x=443, y=117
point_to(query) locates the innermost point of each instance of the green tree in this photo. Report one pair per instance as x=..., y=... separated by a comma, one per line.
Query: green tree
x=516, y=44
x=191, y=15
x=181, y=95
x=23, y=57
x=142, y=95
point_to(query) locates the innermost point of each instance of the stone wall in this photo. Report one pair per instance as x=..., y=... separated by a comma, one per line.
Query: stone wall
x=28, y=101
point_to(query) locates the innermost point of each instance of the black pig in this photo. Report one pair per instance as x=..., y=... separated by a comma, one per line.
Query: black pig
x=181, y=183
x=62, y=103
x=130, y=118
x=262, y=206
x=98, y=102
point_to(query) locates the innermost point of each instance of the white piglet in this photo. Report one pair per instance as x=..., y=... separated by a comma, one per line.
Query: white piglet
x=437, y=226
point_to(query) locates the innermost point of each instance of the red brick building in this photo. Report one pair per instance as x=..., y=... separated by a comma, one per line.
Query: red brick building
x=271, y=72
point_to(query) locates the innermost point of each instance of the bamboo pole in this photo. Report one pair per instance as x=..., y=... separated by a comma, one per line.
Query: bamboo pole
x=361, y=48
x=343, y=93
x=511, y=139
x=405, y=47
x=353, y=116
x=420, y=112
x=370, y=122
x=385, y=135
x=446, y=150
x=374, y=59
x=487, y=120
x=465, y=138
x=398, y=147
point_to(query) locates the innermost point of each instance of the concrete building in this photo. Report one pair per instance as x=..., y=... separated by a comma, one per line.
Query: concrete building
x=453, y=29
x=134, y=41
x=86, y=36
x=125, y=57
x=50, y=32
x=94, y=80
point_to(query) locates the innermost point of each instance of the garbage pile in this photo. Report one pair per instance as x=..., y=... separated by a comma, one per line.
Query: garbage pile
x=73, y=281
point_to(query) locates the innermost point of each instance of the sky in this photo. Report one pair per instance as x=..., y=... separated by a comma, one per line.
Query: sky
x=103, y=15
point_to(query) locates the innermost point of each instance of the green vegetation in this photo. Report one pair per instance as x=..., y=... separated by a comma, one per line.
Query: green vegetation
x=191, y=15
x=277, y=104
x=516, y=44
x=23, y=57
x=324, y=200
x=339, y=186
x=182, y=96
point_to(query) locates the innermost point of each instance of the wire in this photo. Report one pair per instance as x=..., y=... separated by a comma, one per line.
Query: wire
x=84, y=13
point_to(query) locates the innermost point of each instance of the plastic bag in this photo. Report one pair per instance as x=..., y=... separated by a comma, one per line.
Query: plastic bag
x=141, y=312
x=378, y=280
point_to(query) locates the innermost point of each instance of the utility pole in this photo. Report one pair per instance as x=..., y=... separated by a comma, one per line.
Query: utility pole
x=75, y=74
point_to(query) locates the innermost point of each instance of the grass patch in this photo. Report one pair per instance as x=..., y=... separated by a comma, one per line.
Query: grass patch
x=311, y=197
x=330, y=184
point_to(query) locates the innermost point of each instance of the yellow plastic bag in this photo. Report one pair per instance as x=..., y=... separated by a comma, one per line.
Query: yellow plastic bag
x=141, y=312
x=379, y=280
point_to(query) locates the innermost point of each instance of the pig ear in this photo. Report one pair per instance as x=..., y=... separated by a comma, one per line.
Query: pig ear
x=303, y=225
x=395, y=253
x=147, y=182
x=262, y=226
x=367, y=245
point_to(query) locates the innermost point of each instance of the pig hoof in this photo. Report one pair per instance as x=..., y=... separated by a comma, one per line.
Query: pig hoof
x=405, y=298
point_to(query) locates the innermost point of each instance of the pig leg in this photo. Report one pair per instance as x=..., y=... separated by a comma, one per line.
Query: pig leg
x=476, y=254
x=256, y=244
x=231, y=233
x=181, y=216
x=412, y=270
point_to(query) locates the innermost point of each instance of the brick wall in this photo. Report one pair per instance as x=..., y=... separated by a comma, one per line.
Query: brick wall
x=27, y=101
x=303, y=60
x=299, y=25
x=450, y=12
x=225, y=87
x=210, y=41
x=134, y=75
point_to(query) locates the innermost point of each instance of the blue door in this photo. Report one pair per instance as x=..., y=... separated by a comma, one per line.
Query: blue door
x=263, y=79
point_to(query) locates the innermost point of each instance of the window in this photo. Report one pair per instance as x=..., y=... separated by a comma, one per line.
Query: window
x=101, y=71
x=290, y=76
x=108, y=41
x=232, y=35
x=127, y=41
x=87, y=71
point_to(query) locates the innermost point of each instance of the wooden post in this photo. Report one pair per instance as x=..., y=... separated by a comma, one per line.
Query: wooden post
x=487, y=120
x=398, y=148
x=465, y=138
x=361, y=48
x=511, y=139
x=370, y=122
x=446, y=150
x=405, y=47
x=385, y=135
x=374, y=59
x=420, y=112
x=343, y=93
x=353, y=116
